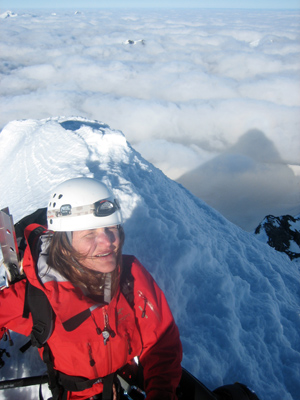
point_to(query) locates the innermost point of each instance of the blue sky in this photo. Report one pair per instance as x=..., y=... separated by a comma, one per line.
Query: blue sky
x=259, y=4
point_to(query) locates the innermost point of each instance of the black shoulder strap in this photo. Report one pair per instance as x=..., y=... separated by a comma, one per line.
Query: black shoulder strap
x=42, y=315
x=37, y=303
x=127, y=280
x=38, y=217
x=34, y=241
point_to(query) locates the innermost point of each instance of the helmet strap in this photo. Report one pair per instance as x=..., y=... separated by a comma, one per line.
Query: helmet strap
x=70, y=237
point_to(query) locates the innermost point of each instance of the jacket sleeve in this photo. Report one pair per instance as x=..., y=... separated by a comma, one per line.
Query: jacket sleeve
x=12, y=298
x=11, y=309
x=162, y=351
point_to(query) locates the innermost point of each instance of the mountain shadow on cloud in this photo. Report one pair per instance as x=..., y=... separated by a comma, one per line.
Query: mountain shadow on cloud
x=246, y=182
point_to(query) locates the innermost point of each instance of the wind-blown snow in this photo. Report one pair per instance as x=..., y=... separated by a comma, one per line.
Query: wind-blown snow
x=235, y=299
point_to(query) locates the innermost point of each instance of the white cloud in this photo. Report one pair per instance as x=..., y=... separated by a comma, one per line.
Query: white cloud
x=199, y=78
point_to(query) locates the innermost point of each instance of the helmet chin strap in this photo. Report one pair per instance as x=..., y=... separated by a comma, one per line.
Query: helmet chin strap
x=70, y=237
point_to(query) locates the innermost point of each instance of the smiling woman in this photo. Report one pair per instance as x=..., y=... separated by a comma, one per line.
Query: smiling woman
x=108, y=309
x=86, y=246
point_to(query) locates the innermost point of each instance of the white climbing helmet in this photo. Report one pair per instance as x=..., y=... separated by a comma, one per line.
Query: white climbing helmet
x=82, y=203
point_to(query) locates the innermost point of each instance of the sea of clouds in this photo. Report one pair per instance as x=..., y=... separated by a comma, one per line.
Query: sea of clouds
x=211, y=97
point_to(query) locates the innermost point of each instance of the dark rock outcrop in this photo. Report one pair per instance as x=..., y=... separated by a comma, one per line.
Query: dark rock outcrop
x=282, y=233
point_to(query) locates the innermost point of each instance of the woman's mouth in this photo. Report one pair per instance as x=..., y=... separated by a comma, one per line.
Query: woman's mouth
x=103, y=255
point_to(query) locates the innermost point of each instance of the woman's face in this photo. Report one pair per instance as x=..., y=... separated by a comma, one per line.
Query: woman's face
x=100, y=247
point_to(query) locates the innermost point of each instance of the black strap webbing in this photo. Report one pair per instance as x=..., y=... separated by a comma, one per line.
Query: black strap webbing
x=33, y=240
x=38, y=304
x=26, y=346
x=127, y=281
x=74, y=322
x=75, y=383
x=26, y=309
x=53, y=384
x=107, y=387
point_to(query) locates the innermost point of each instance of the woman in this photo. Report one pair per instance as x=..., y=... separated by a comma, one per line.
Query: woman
x=108, y=309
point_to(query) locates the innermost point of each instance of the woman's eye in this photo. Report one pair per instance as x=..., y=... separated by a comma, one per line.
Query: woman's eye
x=89, y=236
x=112, y=230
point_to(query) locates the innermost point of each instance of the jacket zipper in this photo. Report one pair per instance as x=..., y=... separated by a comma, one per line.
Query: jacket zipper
x=107, y=333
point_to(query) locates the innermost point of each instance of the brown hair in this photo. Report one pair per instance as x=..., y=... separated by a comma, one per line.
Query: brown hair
x=69, y=263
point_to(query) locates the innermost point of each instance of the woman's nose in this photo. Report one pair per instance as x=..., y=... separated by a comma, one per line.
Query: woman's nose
x=104, y=237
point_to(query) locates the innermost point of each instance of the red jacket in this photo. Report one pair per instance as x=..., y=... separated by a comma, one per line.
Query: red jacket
x=147, y=330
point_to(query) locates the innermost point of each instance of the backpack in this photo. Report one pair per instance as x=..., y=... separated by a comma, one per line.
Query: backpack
x=36, y=303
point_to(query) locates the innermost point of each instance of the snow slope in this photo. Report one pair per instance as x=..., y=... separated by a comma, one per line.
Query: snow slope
x=235, y=299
